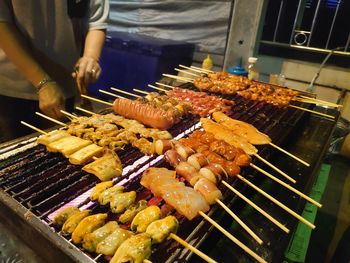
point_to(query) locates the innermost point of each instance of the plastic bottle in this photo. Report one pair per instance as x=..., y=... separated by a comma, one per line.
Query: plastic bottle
x=253, y=72
x=207, y=63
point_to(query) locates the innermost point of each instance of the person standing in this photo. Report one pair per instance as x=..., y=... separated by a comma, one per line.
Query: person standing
x=42, y=42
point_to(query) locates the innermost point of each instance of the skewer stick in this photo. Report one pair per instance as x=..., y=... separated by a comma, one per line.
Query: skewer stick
x=322, y=101
x=287, y=186
x=186, y=72
x=318, y=102
x=165, y=85
x=263, y=212
x=183, y=79
x=156, y=88
x=97, y=100
x=289, y=154
x=51, y=119
x=147, y=261
x=235, y=240
x=125, y=92
x=192, y=248
x=275, y=168
x=239, y=221
x=33, y=127
x=141, y=91
x=312, y=111
x=193, y=69
x=285, y=208
x=203, y=69
x=68, y=114
x=110, y=94
x=84, y=110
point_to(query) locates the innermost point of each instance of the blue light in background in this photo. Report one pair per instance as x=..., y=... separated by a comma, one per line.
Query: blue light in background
x=332, y=4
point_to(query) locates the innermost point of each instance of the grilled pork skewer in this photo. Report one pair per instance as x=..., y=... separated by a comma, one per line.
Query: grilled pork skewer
x=248, y=89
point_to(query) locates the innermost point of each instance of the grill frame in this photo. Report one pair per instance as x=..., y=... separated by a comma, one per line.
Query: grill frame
x=35, y=226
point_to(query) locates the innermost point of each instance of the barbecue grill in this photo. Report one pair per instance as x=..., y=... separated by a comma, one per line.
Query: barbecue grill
x=34, y=184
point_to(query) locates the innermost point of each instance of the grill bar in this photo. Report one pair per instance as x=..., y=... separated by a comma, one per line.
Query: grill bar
x=54, y=183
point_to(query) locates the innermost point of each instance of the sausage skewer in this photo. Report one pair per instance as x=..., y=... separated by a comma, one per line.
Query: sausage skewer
x=276, y=202
x=279, y=181
x=270, y=143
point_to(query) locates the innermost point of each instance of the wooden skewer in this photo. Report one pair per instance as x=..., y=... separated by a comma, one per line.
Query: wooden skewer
x=322, y=101
x=312, y=111
x=203, y=69
x=165, y=85
x=285, y=208
x=287, y=186
x=147, y=261
x=69, y=114
x=239, y=221
x=318, y=102
x=183, y=79
x=275, y=168
x=84, y=110
x=192, y=248
x=141, y=91
x=263, y=212
x=289, y=154
x=193, y=69
x=33, y=127
x=231, y=237
x=110, y=94
x=156, y=88
x=97, y=100
x=125, y=92
x=186, y=72
x=51, y=119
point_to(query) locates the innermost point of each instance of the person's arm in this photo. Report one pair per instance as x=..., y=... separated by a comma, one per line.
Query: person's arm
x=88, y=67
x=15, y=48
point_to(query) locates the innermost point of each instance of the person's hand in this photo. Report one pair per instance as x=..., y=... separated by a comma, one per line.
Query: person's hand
x=51, y=100
x=87, y=70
